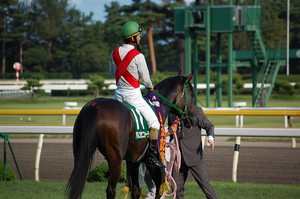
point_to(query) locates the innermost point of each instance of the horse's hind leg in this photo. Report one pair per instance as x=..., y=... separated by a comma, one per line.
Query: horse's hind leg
x=115, y=168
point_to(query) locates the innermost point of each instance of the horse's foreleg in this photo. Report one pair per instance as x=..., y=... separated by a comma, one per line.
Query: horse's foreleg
x=115, y=168
x=156, y=176
x=133, y=172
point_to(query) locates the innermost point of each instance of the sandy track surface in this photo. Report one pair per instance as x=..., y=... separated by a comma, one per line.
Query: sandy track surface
x=259, y=162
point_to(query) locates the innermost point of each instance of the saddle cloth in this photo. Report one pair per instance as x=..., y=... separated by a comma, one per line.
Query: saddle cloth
x=140, y=124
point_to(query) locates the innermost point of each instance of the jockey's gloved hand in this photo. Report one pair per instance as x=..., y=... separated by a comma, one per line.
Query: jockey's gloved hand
x=150, y=89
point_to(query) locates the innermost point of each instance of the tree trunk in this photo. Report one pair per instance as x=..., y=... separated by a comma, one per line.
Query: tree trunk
x=21, y=55
x=3, y=46
x=151, y=50
x=49, y=49
x=3, y=57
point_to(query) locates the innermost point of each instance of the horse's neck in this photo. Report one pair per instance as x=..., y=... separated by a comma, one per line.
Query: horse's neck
x=166, y=111
x=166, y=107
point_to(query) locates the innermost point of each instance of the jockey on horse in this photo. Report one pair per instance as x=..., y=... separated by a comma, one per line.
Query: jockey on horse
x=128, y=66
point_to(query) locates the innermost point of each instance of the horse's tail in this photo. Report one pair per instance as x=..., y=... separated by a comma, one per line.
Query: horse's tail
x=85, y=141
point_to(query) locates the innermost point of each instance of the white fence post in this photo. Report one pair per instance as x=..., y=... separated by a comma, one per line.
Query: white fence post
x=236, y=158
x=239, y=123
x=68, y=106
x=38, y=157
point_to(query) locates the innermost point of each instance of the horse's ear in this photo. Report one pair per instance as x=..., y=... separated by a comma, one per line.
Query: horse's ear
x=179, y=73
x=189, y=77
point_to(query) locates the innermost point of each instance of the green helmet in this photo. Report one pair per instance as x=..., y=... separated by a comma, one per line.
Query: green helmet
x=130, y=29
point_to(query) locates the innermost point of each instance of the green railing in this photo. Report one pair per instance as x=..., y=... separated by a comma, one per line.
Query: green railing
x=269, y=67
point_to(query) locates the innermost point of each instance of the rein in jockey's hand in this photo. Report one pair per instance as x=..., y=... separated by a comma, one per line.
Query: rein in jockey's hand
x=150, y=89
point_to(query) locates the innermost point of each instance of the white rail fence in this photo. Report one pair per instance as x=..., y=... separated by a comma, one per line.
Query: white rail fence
x=237, y=132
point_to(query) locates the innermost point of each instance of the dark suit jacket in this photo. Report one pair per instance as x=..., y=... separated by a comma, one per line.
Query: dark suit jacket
x=191, y=142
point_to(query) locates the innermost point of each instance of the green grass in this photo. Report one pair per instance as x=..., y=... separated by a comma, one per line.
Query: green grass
x=44, y=103
x=254, y=121
x=224, y=190
x=274, y=101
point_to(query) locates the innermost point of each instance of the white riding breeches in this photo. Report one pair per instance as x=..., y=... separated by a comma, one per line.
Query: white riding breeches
x=134, y=97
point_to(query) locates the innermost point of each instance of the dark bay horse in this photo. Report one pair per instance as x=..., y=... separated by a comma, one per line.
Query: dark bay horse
x=107, y=125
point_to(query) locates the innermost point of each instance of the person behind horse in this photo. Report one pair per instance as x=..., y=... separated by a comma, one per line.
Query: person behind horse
x=128, y=66
x=190, y=144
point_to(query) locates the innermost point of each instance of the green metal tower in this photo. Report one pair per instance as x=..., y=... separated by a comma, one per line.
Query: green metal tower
x=191, y=21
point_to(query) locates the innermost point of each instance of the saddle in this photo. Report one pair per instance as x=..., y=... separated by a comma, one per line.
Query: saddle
x=141, y=125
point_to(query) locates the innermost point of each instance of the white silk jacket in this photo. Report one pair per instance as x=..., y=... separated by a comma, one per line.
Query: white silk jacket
x=137, y=68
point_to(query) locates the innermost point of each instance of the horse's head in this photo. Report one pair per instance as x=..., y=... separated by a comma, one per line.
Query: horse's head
x=180, y=92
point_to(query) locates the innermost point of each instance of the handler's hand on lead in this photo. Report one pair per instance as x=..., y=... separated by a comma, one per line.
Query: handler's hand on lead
x=212, y=144
x=172, y=129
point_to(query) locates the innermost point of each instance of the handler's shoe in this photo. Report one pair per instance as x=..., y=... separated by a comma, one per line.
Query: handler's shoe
x=150, y=195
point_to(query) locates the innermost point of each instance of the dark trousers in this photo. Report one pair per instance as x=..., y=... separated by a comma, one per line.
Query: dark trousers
x=199, y=173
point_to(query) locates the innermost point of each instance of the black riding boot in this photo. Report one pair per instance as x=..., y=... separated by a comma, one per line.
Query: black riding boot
x=153, y=160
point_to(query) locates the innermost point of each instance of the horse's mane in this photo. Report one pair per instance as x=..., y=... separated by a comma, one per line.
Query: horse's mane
x=170, y=83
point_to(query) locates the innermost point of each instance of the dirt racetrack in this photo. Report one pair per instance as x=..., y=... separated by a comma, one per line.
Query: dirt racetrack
x=268, y=163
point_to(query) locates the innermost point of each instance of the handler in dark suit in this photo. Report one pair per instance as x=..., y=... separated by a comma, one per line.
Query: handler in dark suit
x=192, y=154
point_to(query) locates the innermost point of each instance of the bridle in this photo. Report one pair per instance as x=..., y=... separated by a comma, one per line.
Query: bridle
x=184, y=95
x=183, y=113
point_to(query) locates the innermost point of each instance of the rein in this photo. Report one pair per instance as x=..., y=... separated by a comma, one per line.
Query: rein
x=175, y=160
x=184, y=93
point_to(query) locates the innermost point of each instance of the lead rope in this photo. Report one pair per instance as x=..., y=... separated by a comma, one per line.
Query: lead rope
x=175, y=160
